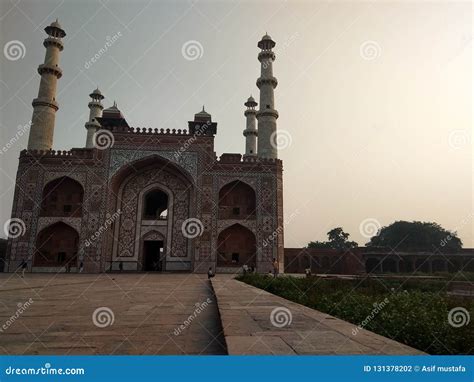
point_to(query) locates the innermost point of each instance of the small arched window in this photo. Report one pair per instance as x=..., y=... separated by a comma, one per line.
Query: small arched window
x=155, y=205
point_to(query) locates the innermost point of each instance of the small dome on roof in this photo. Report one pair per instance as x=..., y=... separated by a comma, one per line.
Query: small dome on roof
x=56, y=24
x=55, y=28
x=251, y=102
x=266, y=42
x=203, y=115
x=112, y=112
x=96, y=94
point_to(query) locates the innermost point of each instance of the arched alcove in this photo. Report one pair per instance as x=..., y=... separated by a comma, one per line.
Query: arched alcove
x=62, y=197
x=237, y=201
x=236, y=246
x=56, y=245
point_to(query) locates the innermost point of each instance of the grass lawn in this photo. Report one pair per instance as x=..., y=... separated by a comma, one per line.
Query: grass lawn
x=414, y=312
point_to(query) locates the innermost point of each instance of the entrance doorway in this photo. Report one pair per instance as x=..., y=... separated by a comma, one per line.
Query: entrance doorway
x=153, y=255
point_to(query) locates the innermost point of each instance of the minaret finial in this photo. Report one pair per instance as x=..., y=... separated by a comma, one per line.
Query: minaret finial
x=45, y=105
x=92, y=125
x=267, y=115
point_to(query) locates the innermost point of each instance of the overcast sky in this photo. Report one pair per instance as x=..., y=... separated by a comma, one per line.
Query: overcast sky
x=374, y=97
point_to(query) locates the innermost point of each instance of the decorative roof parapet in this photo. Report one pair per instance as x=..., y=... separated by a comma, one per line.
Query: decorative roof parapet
x=237, y=158
x=78, y=153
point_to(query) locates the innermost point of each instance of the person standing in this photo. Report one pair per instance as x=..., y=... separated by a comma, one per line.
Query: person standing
x=275, y=267
x=210, y=273
x=81, y=267
x=24, y=267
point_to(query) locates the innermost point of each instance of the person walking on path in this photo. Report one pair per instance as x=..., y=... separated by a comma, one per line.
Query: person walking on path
x=275, y=267
x=210, y=273
x=24, y=267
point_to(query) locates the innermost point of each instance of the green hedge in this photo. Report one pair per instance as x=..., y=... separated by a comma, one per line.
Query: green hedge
x=414, y=312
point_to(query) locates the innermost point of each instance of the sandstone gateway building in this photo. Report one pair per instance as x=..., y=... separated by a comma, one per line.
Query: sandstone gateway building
x=147, y=199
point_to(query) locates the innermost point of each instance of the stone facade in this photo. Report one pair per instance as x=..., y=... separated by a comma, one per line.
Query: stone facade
x=114, y=182
x=143, y=199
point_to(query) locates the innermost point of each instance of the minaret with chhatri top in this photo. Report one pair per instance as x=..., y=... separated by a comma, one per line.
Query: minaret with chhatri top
x=45, y=105
x=267, y=115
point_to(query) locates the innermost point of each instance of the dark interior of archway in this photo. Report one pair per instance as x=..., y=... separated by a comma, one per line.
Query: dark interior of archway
x=62, y=197
x=237, y=201
x=153, y=255
x=56, y=246
x=156, y=205
x=236, y=246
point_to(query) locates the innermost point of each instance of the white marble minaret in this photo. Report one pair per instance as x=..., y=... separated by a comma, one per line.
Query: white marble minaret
x=96, y=108
x=250, y=132
x=45, y=105
x=267, y=115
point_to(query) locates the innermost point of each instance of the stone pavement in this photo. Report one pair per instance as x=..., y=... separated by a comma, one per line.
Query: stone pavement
x=139, y=314
x=166, y=314
x=251, y=328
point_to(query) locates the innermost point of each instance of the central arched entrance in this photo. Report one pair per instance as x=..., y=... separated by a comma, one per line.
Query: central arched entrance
x=155, y=197
x=236, y=246
x=57, y=246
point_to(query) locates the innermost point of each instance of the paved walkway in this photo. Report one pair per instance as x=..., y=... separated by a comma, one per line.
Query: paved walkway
x=151, y=314
x=250, y=328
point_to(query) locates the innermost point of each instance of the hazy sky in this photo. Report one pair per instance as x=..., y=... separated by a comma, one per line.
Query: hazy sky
x=374, y=97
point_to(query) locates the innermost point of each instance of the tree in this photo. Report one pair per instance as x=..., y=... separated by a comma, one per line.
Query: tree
x=416, y=236
x=338, y=239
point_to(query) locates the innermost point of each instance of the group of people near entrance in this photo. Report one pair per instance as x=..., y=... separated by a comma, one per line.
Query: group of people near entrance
x=246, y=269
x=210, y=273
